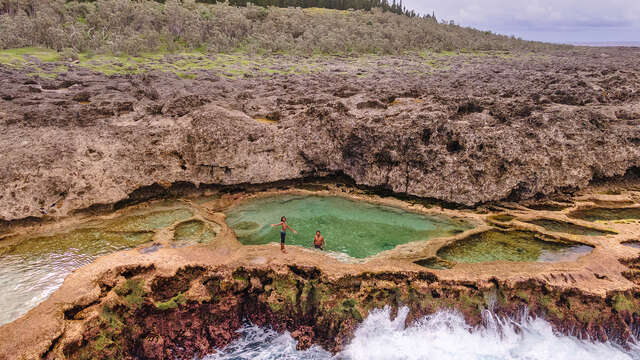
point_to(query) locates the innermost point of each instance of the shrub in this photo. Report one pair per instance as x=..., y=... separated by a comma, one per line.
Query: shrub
x=125, y=26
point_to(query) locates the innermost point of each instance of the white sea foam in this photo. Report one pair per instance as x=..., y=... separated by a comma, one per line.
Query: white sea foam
x=441, y=336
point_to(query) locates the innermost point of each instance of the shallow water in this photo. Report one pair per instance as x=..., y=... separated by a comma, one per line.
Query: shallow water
x=568, y=228
x=193, y=232
x=357, y=228
x=34, y=268
x=442, y=336
x=606, y=214
x=496, y=245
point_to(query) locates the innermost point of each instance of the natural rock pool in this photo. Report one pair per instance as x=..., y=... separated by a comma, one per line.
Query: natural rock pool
x=569, y=228
x=192, y=232
x=32, y=268
x=357, y=228
x=497, y=245
x=606, y=214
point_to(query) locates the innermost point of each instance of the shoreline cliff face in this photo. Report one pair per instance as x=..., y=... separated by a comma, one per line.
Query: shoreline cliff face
x=179, y=302
x=144, y=311
x=474, y=130
x=171, y=322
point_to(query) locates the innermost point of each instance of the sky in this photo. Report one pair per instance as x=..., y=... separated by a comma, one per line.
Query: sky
x=562, y=21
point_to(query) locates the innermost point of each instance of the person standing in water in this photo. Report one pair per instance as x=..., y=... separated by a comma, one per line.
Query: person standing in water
x=318, y=241
x=283, y=232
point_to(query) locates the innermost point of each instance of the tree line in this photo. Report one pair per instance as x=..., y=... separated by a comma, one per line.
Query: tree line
x=393, y=6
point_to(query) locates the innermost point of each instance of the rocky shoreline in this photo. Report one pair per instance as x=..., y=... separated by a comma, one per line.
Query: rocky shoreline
x=199, y=309
x=186, y=302
x=502, y=140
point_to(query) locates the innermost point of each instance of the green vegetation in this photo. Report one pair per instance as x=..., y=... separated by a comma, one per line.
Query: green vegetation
x=185, y=64
x=110, y=319
x=132, y=291
x=523, y=295
x=129, y=27
x=348, y=308
x=349, y=303
x=385, y=5
x=111, y=329
x=584, y=312
x=172, y=303
x=621, y=303
x=550, y=305
x=286, y=288
x=16, y=56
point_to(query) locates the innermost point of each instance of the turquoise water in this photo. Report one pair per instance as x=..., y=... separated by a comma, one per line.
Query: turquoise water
x=357, y=228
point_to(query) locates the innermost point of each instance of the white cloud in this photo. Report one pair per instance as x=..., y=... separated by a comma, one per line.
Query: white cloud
x=570, y=20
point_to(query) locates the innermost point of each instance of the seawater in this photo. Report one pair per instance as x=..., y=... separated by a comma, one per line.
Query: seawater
x=33, y=268
x=442, y=336
x=356, y=228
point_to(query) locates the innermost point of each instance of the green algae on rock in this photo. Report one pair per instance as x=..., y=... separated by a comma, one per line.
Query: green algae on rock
x=569, y=228
x=150, y=221
x=517, y=245
x=606, y=214
x=435, y=263
x=193, y=232
x=357, y=228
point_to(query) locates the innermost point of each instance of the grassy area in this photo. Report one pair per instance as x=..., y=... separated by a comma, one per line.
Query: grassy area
x=19, y=56
x=186, y=64
x=47, y=63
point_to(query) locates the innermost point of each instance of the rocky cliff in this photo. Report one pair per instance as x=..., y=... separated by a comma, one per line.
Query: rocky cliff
x=471, y=129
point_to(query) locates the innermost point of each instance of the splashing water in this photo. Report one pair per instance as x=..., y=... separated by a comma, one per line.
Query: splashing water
x=441, y=336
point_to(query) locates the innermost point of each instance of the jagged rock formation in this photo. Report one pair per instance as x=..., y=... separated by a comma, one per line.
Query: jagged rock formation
x=182, y=302
x=485, y=129
x=146, y=311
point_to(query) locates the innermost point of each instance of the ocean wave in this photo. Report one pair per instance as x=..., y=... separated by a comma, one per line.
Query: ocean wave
x=441, y=336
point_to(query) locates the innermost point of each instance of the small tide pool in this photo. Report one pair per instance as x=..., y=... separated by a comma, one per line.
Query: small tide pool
x=516, y=245
x=569, y=228
x=606, y=214
x=356, y=228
